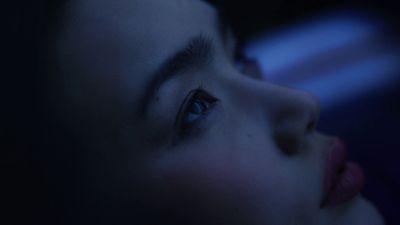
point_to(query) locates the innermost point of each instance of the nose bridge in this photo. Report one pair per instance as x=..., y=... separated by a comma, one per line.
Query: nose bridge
x=292, y=113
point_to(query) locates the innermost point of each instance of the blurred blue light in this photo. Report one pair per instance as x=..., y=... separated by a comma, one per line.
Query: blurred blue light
x=375, y=65
x=282, y=48
x=354, y=81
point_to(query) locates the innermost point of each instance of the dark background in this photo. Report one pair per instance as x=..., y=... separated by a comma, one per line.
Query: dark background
x=250, y=17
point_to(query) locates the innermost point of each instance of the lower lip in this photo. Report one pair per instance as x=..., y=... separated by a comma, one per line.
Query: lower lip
x=347, y=186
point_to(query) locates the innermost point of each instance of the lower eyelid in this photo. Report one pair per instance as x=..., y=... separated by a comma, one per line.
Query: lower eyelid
x=204, y=116
x=201, y=128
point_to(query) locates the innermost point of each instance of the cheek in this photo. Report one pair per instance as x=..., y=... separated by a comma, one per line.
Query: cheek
x=220, y=185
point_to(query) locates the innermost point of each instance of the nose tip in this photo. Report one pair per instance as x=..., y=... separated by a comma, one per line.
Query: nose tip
x=292, y=114
x=298, y=118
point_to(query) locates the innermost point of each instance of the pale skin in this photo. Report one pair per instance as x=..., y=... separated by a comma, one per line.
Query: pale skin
x=254, y=158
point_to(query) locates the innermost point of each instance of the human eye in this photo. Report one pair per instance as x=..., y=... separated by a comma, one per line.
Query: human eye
x=194, y=109
x=246, y=65
x=240, y=59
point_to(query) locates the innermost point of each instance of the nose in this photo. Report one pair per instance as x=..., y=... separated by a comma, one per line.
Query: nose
x=295, y=117
x=292, y=114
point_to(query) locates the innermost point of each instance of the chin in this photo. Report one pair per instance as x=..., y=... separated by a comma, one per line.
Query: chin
x=362, y=212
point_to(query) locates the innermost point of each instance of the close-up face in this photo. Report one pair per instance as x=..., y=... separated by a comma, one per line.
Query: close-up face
x=170, y=130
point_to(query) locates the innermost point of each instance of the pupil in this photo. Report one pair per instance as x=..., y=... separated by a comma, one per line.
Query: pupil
x=197, y=107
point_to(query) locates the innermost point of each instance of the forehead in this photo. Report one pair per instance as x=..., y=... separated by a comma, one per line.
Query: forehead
x=144, y=32
x=113, y=46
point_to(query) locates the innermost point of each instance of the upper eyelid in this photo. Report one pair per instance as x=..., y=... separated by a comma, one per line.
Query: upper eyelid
x=202, y=125
x=223, y=31
x=197, y=53
x=183, y=106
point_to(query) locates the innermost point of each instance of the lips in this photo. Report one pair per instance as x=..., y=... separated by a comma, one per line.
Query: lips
x=343, y=180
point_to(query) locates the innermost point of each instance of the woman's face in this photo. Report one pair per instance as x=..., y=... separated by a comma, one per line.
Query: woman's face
x=173, y=131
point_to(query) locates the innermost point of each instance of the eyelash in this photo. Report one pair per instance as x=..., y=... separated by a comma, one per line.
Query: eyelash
x=247, y=66
x=199, y=99
x=240, y=59
x=195, y=108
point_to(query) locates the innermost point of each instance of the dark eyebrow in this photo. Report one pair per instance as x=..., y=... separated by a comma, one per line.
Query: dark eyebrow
x=197, y=53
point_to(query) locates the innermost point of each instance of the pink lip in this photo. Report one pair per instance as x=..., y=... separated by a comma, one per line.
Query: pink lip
x=343, y=181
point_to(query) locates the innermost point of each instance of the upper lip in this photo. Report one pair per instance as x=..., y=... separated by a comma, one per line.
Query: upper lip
x=335, y=163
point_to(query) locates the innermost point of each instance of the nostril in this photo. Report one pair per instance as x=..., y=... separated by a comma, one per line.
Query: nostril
x=313, y=121
x=311, y=125
x=287, y=145
x=289, y=138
